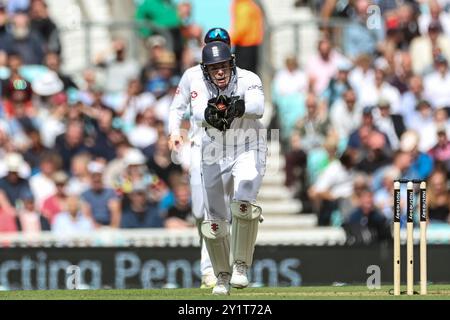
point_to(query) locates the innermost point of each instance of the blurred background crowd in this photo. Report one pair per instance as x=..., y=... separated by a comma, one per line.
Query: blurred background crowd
x=89, y=150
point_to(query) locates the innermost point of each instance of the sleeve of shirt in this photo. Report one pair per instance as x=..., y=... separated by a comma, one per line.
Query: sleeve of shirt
x=179, y=105
x=254, y=98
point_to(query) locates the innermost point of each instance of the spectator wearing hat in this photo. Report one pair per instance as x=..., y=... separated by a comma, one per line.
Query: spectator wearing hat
x=422, y=164
x=139, y=211
x=99, y=202
x=7, y=214
x=422, y=48
x=56, y=202
x=157, y=47
x=361, y=73
x=144, y=133
x=13, y=184
x=42, y=184
x=389, y=123
x=338, y=84
x=72, y=222
x=436, y=84
x=29, y=220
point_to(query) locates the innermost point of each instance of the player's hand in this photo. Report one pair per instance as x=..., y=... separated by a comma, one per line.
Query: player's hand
x=216, y=118
x=175, y=142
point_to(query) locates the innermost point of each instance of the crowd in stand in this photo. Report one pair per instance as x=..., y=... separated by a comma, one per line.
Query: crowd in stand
x=369, y=111
x=76, y=156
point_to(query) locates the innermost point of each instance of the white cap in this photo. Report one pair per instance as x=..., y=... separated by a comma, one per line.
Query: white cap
x=14, y=162
x=47, y=84
x=134, y=157
x=409, y=141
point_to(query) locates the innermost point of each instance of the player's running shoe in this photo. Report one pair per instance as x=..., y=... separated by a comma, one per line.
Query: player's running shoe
x=222, y=286
x=239, y=278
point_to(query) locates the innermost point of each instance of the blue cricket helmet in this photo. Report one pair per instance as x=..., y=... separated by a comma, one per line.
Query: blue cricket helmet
x=217, y=34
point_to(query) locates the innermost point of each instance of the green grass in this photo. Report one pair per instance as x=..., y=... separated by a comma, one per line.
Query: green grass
x=294, y=293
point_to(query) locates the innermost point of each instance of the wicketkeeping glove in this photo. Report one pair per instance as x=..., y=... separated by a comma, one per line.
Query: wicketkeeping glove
x=221, y=111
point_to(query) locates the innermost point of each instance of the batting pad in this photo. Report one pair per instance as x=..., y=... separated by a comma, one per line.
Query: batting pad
x=244, y=228
x=217, y=240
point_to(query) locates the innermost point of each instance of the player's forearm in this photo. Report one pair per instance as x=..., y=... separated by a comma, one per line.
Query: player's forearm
x=254, y=109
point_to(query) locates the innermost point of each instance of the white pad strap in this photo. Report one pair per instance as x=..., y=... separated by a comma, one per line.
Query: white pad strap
x=244, y=228
x=217, y=239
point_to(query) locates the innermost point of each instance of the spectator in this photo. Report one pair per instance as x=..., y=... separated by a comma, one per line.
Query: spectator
x=3, y=29
x=383, y=198
x=411, y=98
x=358, y=38
x=42, y=184
x=421, y=117
x=422, y=163
x=334, y=188
x=323, y=66
x=338, y=83
x=24, y=40
x=346, y=114
x=161, y=164
x=314, y=127
x=436, y=84
x=441, y=151
x=80, y=177
x=56, y=202
x=71, y=143
x=140, y=212
x=119, y=68
x=366, y=224
x=36, y=150
x=436, y=15
x=157, y=47
x=53, y=63
x=28, y=219
x=43, y=24
x=422, y=48
x=71, y=221
x=290, y=86
x=438, y=200
x=429, y=130
x=247, y=33
x=390, y=124
x=163, y=14
x=144, y=133
x=101, y=203
x=372, y=93
x=179, y=216
x=7, y=214
x=362, y=73
x=13, y=185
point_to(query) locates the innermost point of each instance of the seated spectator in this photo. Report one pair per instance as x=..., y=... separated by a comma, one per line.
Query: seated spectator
x=42, y=184
x=434, y=14
x=430, y=129
x=401, y=163
x=29, y=220
x=441, y=151
x=366, y=224
x=389, y=123
x=346, y=114
x=421, y=117
x=25, y=40
x=101, y=203
x=338, y=84
x=71, y=143
x=438, y=198
x=71, y=221
x=411, y=98
x=139, y=211
x=56, y=202
x=422, y=163
x=36, y=150
x=383, y=198
x=436, y=84
x=179, y=215
x=334, y=188
x=161, y=163
x=7, y=214
x=79, y=175
x=296, y=170
x=13, y=184
x=362, y=73
x=144, y=133
x=53, y=62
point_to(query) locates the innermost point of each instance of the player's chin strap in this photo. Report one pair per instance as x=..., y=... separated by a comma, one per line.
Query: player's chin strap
x=244, y=228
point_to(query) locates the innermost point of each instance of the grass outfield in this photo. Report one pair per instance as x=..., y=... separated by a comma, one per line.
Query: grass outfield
x=294, y=293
